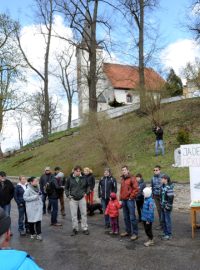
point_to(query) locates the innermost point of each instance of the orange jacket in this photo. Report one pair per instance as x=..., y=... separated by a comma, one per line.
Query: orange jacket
x=113, y=208
x=129, y=188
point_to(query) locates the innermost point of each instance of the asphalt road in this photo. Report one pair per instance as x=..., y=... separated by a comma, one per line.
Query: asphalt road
x=99, y=250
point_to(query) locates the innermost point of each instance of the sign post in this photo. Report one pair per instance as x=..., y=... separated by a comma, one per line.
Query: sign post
x=190, y=157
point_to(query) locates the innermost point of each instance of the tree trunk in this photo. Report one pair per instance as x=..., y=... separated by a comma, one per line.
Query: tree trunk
x=141, y=60
x=69, y=114
x=1, y=126
x=46, y=76
x=93, y=63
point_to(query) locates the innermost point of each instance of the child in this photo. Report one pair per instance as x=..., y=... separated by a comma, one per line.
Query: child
x=140, y=196
x=34, y=205
x=148, y=215
x=166, y=197
x=18, y=195
x=113, y=211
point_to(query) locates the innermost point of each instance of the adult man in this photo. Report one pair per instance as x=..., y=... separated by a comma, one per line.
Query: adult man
x=107, y=185
x=59, y=175
x=156, y=186
x=6, y=193
x=12, y=259
x=159, y=139
x=49, y=187
x=75, y=189
x=128, y=192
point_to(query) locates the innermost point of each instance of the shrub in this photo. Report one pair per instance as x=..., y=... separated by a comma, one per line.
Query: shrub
x=183, y=136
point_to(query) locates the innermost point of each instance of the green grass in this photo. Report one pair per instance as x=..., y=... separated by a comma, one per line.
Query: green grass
x=130, y=139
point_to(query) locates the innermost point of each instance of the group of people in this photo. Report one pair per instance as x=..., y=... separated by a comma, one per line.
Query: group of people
x=31, y=196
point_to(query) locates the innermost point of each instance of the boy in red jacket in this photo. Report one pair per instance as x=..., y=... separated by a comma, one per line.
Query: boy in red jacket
x=113, y=211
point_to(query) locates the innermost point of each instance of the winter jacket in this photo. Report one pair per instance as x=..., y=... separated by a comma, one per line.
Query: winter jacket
x=16, y=260
x=113, y=208
x=91, y=181
x=107, y=184
x=156, y=184
x=148, y=210
x=34, y=205
x=19, y=193
x=48, y=181
x=159, y=134
x=76, y=187
x=6, y=192
x=129, y=188
x=142, y=185
x=167, y=196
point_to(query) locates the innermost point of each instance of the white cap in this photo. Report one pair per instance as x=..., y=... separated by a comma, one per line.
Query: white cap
x=147, y=192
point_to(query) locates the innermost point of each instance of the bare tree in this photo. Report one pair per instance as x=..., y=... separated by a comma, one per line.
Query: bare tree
x=67, y=79
x=19, y=120
x=36, y=111
x=10, y=69
x=83, y=17
x=45, y=14
x=134, y=11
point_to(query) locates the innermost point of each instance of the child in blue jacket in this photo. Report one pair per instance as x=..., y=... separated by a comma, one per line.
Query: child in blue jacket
x=148, y=215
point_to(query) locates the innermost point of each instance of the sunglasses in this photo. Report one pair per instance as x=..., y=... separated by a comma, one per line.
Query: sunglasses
x=156, y=170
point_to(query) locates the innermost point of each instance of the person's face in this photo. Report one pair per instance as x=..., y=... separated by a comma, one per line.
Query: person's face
x=23, y=180
x=47, y=172
x=35, y=182
x=164, y=181
x=6, y=242
x=156, y=171
x=77, y=172
x=106, y=173
x=86, y=172
x=125, y=171
x=138, y=178
x=1, y=179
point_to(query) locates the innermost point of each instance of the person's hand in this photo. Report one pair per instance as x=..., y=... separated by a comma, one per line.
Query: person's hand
x=147, y=222
x=70, y=197
x=21, y=205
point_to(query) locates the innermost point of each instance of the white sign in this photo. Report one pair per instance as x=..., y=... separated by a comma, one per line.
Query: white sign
x=177, y=158
x=195, y=183
x=190, y=155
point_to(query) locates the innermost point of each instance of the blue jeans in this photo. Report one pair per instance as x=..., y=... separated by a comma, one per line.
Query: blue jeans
x=167, y=223
x=104, y=203
x=22, y=218
x=54, y=210
x=130, y=217
x=7, y=209
x=159, y=144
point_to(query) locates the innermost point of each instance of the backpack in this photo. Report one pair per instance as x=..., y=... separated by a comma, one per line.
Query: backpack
x=49, y=187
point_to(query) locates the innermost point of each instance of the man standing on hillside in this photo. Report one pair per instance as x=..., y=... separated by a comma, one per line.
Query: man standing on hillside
x=159, y=140
x=75, y=189
x=128, y=194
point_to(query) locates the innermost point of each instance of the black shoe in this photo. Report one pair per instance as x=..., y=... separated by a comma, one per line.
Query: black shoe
x=22, y=233
x=74, y=232
x=86, y=232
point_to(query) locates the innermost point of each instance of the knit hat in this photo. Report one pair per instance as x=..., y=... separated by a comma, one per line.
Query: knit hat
x=165, y=176
x=5, y=222
x=113, y=196
x=147, y=192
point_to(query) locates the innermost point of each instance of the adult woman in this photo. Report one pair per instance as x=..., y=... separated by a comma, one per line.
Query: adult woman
x=91, y=182
x=34, y=205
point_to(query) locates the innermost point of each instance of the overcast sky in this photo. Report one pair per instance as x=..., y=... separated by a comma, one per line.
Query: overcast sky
x=178, y=47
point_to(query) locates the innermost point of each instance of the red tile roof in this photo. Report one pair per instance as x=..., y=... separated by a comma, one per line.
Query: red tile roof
x=127, y=77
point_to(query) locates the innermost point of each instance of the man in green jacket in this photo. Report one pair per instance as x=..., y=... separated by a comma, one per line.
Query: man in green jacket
x=75, y=189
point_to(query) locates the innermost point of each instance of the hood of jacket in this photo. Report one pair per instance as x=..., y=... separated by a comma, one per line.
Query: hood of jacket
x=18, y=258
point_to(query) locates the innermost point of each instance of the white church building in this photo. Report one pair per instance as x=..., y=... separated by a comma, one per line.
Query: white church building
x=115, y=81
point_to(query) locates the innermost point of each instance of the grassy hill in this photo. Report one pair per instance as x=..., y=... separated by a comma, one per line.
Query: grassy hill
x=129, y=139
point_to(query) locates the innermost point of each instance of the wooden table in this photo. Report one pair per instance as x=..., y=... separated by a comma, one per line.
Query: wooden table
x=194, y=210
